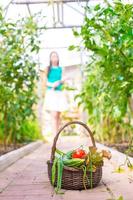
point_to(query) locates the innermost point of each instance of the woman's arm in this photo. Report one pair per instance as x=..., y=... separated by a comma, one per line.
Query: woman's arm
x=50, y=84
x=53, y=85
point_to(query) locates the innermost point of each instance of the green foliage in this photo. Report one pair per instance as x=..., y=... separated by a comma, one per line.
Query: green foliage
x=120, y=198
x=29, y=131
x=107, y=35
x=19, y=44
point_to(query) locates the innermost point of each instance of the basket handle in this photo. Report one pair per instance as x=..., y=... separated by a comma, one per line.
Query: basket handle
x=61, y=129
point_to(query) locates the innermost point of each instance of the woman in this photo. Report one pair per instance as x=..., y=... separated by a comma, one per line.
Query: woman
x=55, y=100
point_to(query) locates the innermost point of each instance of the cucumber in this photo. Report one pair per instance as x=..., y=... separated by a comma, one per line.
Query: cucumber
x=68, y=155
x=75, y=162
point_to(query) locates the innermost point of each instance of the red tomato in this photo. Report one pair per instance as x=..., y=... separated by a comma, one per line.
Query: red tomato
x=79, y=153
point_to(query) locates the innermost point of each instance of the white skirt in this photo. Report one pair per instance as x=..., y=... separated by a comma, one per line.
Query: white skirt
x=55, y=100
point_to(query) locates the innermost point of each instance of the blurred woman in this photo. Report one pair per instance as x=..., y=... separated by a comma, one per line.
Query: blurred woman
x=55, y=99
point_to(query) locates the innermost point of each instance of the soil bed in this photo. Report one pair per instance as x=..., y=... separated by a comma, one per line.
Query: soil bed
x=9, y=148
x=122, y=147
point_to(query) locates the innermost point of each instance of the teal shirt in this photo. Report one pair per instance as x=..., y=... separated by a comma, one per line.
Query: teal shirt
x=55, y=74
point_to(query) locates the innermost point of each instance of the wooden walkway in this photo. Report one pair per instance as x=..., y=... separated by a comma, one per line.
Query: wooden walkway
x=27, y=178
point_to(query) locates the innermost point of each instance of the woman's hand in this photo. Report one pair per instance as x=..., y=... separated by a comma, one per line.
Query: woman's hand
x=56, y=84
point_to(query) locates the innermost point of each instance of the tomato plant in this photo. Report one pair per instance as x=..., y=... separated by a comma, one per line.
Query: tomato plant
x=19, y=43
x=107, y=91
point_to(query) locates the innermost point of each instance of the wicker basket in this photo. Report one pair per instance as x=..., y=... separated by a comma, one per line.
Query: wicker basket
x=72, y=179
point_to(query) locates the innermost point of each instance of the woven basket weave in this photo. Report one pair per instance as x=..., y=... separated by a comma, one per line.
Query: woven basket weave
x=72, y=179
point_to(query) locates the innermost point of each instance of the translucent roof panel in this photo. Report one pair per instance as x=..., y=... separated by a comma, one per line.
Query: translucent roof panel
x=54, y=39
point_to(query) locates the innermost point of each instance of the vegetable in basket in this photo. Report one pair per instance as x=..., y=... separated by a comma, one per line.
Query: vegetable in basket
x=79, y=153
x=78, y=159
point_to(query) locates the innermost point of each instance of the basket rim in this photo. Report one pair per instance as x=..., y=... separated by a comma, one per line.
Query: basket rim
x=71, y=168
x=66, y=167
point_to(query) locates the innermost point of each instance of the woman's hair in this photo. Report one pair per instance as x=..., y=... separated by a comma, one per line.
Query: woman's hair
x=50, y=61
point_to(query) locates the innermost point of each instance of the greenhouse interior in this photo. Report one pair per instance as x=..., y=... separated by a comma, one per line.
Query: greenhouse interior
x=66, y=99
